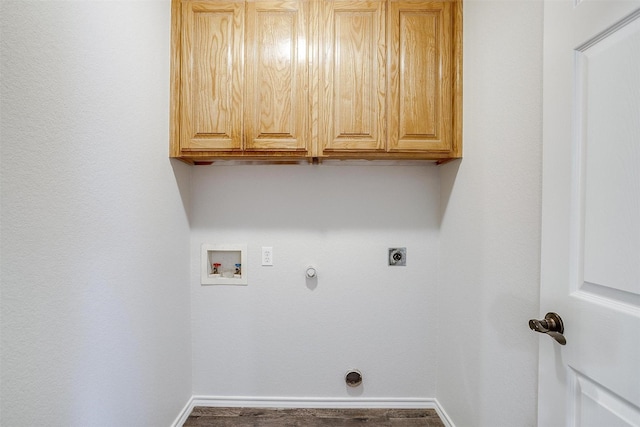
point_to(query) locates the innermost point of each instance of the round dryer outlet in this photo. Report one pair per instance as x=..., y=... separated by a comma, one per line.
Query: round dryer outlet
x=397, y=256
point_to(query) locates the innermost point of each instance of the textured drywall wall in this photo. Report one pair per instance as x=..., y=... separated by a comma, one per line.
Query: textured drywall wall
x=490, y=231
x=283, y=337
x=95, y=243
x=94, y=253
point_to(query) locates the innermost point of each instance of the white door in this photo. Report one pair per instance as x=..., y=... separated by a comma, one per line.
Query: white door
x=591, y=214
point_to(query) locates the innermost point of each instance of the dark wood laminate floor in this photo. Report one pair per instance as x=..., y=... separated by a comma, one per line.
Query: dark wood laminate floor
x=264, y=417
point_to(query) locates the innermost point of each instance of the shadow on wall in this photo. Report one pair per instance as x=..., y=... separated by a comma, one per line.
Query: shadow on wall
x=324, y=197
x=182, y=173
x=448, y=175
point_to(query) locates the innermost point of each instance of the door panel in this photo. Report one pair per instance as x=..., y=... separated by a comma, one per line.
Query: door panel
x=607, y=72
x=421, y=79
x=277, y=76
x=591, y=214
x=353, y=76
x=595, y=406
x=211, y=112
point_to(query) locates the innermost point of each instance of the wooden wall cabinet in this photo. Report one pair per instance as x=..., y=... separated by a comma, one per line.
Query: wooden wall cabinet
x=316, y=79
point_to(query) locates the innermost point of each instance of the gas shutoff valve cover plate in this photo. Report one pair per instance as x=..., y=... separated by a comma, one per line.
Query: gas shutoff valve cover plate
x=397, y=257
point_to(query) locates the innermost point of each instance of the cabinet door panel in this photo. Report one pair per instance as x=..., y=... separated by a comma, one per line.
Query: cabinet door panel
x=277, y=83
x=353, y=76
x=211, y=81
x=421, y=80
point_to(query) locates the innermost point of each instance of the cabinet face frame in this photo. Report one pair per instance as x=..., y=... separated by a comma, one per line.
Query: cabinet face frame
x=315, y=126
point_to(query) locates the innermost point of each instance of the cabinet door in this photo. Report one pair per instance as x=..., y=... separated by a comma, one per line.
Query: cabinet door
x=277, y=76
x=421, y=80
x=352, y=76
x=211, y=80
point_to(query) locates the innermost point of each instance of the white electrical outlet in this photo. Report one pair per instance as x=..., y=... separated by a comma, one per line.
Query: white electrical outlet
x=267, y=255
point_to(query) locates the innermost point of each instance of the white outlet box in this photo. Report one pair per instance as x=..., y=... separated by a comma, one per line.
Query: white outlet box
x=267, y=255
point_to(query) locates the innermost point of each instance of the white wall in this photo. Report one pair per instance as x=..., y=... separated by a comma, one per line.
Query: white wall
x=96, y=251
x=278, y=337
x=490, y=232
x=95, y=301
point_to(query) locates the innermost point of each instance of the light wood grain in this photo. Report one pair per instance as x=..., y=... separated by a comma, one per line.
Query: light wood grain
x=174, y=104
x=277, y=85
x=421, y=76
x=317, y=79
x=353, y=79
x=456, y=141
x=212, y=75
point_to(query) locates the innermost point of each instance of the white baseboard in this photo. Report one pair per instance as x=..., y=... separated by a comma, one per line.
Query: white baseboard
x=311, y=402
x=184, y=414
